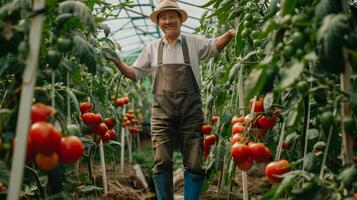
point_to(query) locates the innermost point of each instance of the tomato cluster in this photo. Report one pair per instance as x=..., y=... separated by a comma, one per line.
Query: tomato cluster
x=259, y=123
x=101, y=129
x=45, y=144
x=244, y=154
x=134, y=124
x=208, y=141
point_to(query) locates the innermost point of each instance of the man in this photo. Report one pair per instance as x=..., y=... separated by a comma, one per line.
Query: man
x=173, y=62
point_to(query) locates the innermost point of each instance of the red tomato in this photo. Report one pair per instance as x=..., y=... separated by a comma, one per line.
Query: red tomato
x=285, y=146
x=130, y=116
x=47, y=162
x=355, y=195
x=266, y=122
x=100, y=129
x=236, y=119
x=85, y=107
x=110, y=122
x=44, y=137
x=126, y=100
x=206, y=153
x=134, y=122
x=133, y=130
x=71, y=149
x=214, y=119
x=210, y=139
x=266, y=154
x=130, y=111
x=238, y=128
x=259, y=132
x=112, y=133
x=206, y=146
x=257, y=151
x=259, y=104
x=120, y=102
x=41, y=112
x=275, y=169
x=240, y=152
x=2, y=186
x=91, y=119
x=106, y=137
x=245, y=166
x=237, y=138
x=206, y=129
x=30, y=154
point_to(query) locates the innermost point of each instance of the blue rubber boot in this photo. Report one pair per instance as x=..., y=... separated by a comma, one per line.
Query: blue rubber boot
x=192, y=185
x=164, y=186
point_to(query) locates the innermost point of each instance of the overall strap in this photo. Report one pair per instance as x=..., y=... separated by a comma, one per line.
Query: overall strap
x=185, y=52
x=160, y=52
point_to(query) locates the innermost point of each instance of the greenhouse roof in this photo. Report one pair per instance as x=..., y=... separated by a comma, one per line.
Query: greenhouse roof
x=133, y=29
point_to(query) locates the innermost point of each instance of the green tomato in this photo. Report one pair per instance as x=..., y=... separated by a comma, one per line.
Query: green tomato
x=73, y=129
x=53, y=58
x=303, y=87
x=326, y=118
x=256, y=43
x=298, y=39
x=246, y=24
x=245, y=32
x=64, y=44
x=23, y=49
x=300, y=53
x=288, y=50
x=248, y=16
x=255, y=33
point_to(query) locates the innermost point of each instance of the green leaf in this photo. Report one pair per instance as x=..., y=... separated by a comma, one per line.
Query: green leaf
x=85, y=52
x=233, y=73
x=254, y=82
x=79, y=10
x=286, y=184
x=288, y=6
x=221, y=149
x=325, y=7
x=348, y=176
x=294, y=113
x=330, y=37
x=289, y=75
x=310, y=163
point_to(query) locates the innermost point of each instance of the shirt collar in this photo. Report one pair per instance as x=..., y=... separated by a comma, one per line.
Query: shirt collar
x=178, y=39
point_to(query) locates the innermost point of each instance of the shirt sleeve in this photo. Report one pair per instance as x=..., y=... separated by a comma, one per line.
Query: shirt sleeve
x=206, y=47
x=142, y=65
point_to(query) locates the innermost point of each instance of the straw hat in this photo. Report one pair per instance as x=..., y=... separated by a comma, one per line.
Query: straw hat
x=164, y=5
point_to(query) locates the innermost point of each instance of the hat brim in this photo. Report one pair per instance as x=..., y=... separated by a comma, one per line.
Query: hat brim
x=154, y=15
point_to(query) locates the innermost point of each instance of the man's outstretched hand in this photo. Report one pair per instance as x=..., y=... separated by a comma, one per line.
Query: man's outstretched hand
x=110, y=54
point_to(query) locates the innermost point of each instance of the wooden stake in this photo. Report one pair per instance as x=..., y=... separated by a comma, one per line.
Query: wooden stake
x=27, y=91
x=122, y=145
x=102, y=164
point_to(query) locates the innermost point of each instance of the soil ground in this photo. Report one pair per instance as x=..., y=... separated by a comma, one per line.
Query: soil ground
x=128, y=186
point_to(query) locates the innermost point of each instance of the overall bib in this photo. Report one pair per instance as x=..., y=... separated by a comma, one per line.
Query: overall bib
x=176, y=119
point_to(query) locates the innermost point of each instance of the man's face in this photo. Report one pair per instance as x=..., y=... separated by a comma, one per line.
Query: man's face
x=170, y=22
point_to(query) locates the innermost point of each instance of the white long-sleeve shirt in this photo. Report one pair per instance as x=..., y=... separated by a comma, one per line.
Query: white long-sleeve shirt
x=199, y=48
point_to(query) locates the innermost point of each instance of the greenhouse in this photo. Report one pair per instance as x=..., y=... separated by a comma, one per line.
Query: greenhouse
x=178, y=100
